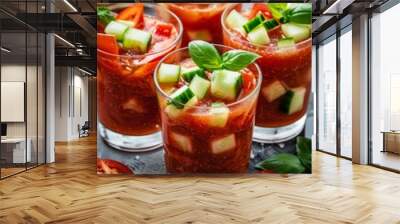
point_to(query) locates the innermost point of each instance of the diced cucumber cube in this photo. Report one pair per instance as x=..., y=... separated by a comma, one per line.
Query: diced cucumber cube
x=188, y=73
x=270, y=24
x=298, y=32
x=126, y=22
x=117, y=29
x=191, y=103
x=226, y=84
x=293, y=100
x=172, y=111
x=258, y=36
x=223, y=144
x=273, y=91
x=219, y=115
x=235, y=20
x=253, y=23
x=199, y=86
x=137, y=39
x=168, y=73
x=181, y=96
x=286, y=42
x=182, y=142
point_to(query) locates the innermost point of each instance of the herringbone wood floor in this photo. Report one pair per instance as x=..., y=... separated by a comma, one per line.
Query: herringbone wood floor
x=69, y=191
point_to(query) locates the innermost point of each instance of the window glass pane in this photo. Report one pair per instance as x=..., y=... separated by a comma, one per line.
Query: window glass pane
x=346, y=93
x=327, y=96
x=385, y=114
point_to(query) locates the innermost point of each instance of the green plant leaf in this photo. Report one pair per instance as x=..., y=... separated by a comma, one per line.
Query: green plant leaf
x=205, y=55
x=237, y=60
x=277, y=9
x=104, y=15
x=303, y=148
x=301, y=13
x=282, y=163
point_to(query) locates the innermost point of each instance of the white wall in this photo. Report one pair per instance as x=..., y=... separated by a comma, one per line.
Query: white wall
x=71, y=93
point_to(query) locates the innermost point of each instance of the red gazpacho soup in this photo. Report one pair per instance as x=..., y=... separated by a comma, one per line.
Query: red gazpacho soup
x=281, y=34
x=130, y=44
x=208, y=95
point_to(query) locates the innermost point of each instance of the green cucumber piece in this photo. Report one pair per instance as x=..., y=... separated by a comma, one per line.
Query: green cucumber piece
x=273, y=91
x=137, y=39
x=117, y=29
x=182, y=142
x=126, y=22
x=219, y=115
x=223, y=144
x=235, y=20
x=199, y=86
x=226, y=84
x=297, y=31
x=270, y=24
x=258, y=36
x=286, y=42
x=172, y=111
x=181, y=96
x=293, y=100
x=253, y=23
x=188, y=73
x=168, y=73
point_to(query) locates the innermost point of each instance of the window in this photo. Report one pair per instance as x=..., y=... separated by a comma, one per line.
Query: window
x=327, y=95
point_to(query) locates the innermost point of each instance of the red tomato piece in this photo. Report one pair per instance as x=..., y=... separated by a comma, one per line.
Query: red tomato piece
x=107, y=43
x=260, y=7
x=164, y=29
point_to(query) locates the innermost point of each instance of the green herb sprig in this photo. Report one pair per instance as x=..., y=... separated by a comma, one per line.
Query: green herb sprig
x=205, y=55
x=300, y=13
x=290, y=163
x=104, y=15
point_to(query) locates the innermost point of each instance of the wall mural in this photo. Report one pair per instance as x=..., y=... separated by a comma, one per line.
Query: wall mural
x=204, y=88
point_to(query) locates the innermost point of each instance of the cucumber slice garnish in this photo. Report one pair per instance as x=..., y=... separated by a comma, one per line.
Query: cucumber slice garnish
x=270, y=24
x=226, y=84
x=181, y=96
x=219, y=115
x=172, y=111
x=199, y=86
x=117, y=29
x=223, y=144
x=168, y=73
x=286, y=42
x=137, y=39
x=189, y=73
x=253, y=23
x=297, y=31
x=258, y=36
x=235, y=20
x=273, y=91
x=182, y=142
x=293, y=100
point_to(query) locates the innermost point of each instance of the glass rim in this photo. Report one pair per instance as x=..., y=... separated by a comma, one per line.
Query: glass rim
x=177, y=39
x=224, y=5
x=165, y=95
x=226, y=29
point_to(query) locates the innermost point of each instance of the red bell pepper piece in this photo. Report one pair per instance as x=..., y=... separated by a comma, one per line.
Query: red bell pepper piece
x=260, y=7
x=133, y=13
x=107, y=43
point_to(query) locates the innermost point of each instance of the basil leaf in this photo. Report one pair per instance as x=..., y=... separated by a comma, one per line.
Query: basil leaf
x=282, y=163
x=302, y=14
x=303, y=148
x=205, y=55
x=237, y=60
x=104, y=15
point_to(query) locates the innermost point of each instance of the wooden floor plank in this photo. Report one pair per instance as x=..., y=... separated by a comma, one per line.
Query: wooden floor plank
x=69, y=191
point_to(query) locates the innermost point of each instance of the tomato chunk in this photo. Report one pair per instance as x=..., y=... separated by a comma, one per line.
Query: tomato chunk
x=107, y=43
x=164, y=29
